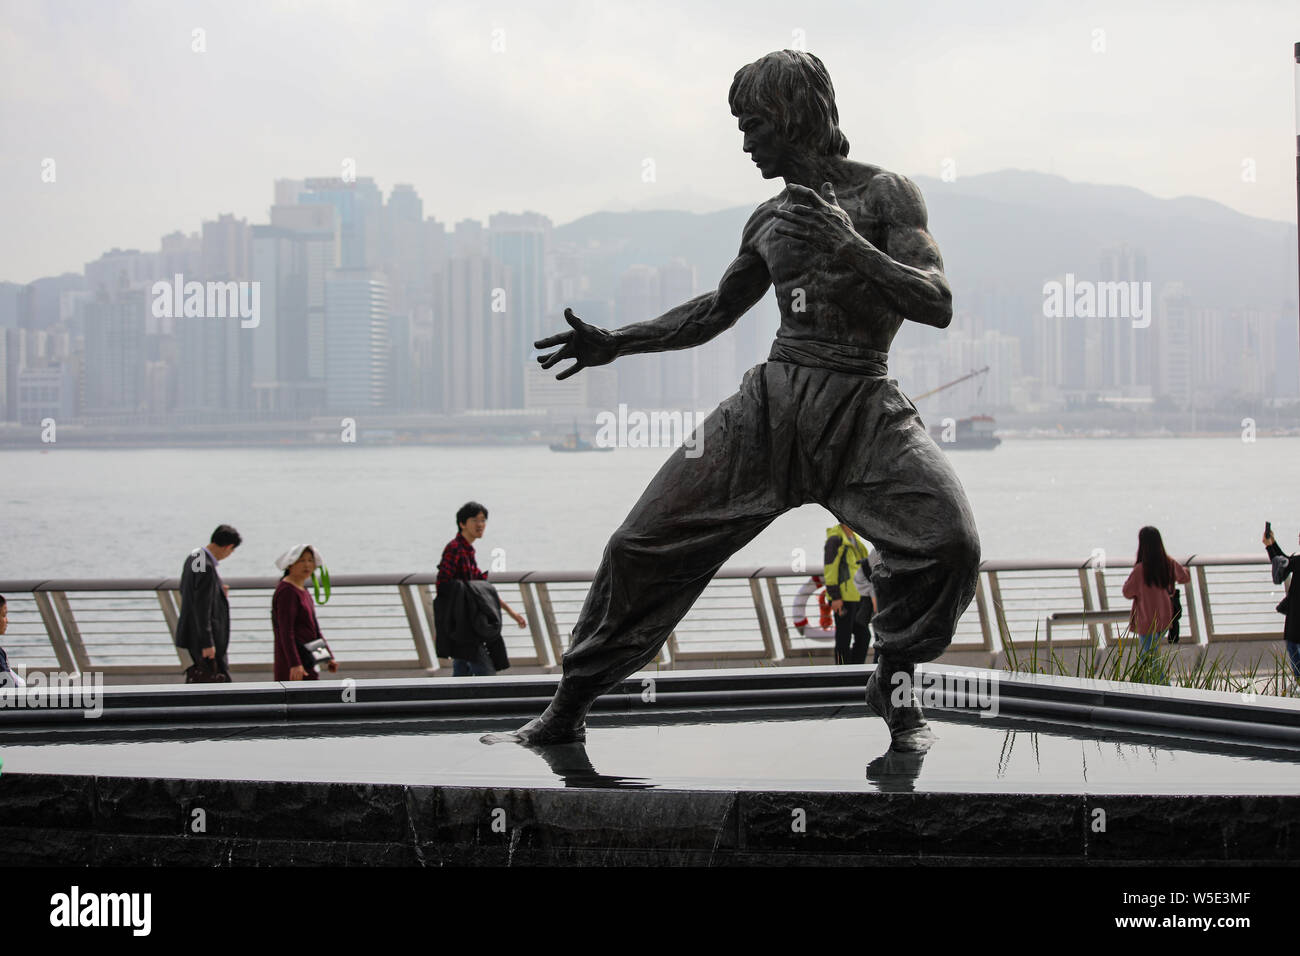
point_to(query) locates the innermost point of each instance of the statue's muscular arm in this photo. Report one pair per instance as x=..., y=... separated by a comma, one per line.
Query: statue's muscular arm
x=706, y=316
x=686, y=325
x=909, y=271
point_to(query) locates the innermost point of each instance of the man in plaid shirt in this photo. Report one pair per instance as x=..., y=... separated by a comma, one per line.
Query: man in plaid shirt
x=459, y=563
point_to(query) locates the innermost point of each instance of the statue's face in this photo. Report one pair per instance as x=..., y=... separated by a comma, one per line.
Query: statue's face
x=764, y=144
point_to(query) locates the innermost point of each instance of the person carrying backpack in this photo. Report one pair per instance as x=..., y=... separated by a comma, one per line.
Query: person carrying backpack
x=844, y=554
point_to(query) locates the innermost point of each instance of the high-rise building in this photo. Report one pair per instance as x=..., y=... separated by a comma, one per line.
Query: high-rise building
x=403, y=258
x=360, y=207
x=427, y=358
x=116, y=351
x=182, y=254
x=1286, y=353
x=226, y=245
x=46, y=391
x=213, y=365
x=356, y=340
x=213, y=371
x=640, y=383
x=399, y=376
x=288, y=346
x=287, y=191
x=472, y=329
x=1173, y=344
x=521, y=242
x=681, y=371
x=11, y=362
x=1124, y=350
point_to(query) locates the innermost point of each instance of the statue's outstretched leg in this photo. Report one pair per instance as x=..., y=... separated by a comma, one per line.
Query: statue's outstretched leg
x=711, y=498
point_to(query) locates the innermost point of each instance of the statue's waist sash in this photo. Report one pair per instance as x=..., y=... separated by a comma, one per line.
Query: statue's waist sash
x=835, y=356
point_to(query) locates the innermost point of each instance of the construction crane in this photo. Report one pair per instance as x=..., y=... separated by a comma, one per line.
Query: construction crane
x=973, y=432
x=955, y=381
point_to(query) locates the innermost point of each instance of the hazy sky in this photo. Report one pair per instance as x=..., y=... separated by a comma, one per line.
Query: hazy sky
x=149, y=136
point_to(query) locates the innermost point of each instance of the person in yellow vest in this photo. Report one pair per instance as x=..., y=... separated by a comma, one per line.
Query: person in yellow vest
x=844, y=553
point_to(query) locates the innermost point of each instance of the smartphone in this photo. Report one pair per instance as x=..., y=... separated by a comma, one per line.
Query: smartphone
x=1268, y=529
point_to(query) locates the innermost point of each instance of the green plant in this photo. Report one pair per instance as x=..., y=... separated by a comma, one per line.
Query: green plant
x=1123, y=661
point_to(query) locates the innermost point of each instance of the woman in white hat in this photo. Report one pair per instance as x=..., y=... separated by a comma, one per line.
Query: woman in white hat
x=293, y=616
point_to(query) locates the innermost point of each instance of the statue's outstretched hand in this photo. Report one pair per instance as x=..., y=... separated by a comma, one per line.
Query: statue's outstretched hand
x=586, y=344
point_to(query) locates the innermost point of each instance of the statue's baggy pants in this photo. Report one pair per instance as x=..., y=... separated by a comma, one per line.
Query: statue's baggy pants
x=792, y=435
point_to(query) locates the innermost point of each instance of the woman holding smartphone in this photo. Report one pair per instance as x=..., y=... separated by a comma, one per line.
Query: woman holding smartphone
x=1285, y=566
x=1149, y=587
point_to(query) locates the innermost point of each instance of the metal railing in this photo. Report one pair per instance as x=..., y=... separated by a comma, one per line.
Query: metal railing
x=382, y=625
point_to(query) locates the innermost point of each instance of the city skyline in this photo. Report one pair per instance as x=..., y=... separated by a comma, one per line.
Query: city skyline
x=589, y=107
x=209, y=218
x=361, y=303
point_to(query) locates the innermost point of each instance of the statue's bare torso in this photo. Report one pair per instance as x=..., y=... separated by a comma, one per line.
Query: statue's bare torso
x=836, y=304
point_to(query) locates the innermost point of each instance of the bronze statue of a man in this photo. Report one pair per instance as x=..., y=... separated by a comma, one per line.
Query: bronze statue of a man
x=846, y=246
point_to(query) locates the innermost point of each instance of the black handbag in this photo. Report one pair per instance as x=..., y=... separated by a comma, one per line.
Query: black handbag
x=204, y=671
x=1176, y=599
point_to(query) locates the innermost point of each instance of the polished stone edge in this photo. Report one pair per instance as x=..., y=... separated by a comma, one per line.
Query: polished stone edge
x=82, y=820
x=1094, y=702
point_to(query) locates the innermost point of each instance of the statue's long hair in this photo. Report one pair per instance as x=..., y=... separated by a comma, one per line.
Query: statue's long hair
x=793, y=90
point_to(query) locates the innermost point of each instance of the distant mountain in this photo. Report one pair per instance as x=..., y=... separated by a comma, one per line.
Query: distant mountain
x=1020, y=229
x=1004, y=234
x=43, y=307
x=686, y=200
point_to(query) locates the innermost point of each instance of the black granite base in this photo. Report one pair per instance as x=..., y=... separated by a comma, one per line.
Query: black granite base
x=68, y=820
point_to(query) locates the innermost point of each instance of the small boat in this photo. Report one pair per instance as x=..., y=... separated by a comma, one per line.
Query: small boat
x=975, y=432
x=575, y=442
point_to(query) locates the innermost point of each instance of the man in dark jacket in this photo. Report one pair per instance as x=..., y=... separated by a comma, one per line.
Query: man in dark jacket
x=7, y=676
x=1284, y=566
x=204, y=625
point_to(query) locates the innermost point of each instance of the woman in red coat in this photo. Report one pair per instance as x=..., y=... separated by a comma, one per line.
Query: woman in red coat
x=1149, y=586
x=293, y=617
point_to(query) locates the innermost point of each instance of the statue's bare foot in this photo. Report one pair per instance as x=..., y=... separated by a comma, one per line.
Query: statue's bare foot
x=908, y=730
x=916, y=741
x=541, y=732
x=563, y=722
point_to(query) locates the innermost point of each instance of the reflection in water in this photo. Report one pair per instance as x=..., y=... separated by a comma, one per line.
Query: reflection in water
x=1009, y=746
x=1123, y=752
x=896, y=771
x=571, y=764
